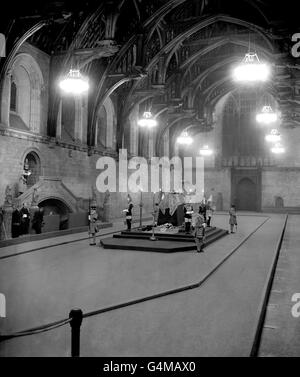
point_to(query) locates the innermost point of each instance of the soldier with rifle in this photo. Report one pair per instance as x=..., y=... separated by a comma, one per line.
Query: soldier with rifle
x=93, y=222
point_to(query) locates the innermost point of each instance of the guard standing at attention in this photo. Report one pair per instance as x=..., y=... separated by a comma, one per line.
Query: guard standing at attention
x=202, y=209
x=128, y=213
x=188, y=214
x=93, y=225
x=232, y=218
x=199, y=232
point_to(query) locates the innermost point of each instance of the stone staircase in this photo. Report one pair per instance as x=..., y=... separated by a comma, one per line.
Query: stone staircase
x=51, y=188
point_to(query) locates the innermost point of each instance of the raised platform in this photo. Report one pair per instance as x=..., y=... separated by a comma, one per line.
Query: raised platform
x=167, y=242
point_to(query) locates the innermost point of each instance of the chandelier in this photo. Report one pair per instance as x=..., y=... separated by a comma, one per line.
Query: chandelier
x=277, y=149
x=251, y=69
x=74, y=83
x=184, y=139
x=273, y=136
x=147, y=120
x=266, y=116
x=206, y=151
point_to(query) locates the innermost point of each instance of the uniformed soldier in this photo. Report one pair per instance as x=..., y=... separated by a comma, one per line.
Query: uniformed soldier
x=199, y=232
x=93, y=225
x=188, y=214
x=128, y=213
x=232, y=218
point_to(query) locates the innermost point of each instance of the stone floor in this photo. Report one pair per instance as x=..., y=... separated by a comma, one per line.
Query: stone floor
x=281, y=333
x=217, y=319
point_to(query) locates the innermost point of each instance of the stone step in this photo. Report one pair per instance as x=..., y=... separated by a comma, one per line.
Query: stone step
x=160, y=245
x=178, y=237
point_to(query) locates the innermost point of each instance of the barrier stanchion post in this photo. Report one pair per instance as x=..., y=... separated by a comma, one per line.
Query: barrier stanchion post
x=76, y=316
x=141, y=210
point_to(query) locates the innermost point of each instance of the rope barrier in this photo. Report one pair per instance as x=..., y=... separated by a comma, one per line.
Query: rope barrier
x=36, y=330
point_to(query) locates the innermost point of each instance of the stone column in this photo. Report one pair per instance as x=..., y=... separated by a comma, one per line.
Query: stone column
x=58, y=122
x=78, y=120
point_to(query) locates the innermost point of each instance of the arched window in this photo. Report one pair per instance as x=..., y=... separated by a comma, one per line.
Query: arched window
x=68, y=119
x=21, y=96
x=134, y=130
x=26, y=88
x=106, y=125
x=279, y=203
x=13, y=97
x=101, y=127
x=34, y=165
x=241, y=136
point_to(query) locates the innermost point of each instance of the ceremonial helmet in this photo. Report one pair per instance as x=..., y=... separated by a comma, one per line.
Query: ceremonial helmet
x=93, y=204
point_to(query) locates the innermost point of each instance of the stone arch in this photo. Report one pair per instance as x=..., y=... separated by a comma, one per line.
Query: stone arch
x=246, y=194
x=13, y=96
x=59, y=201
x=68, y=107
x=238, y=120
x=166, y=130
x=56, y=206
x=279, y=202
x=21, y=80
x=101, y=127
x=173, y=45
x=34, y=164
x=33, y=150
x=28, y=78
x=71, y=118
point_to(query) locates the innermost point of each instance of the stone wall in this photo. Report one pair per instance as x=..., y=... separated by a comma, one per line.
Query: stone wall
x=76, y=169
x=218, y=181
x=281, y=182
x=291, y=142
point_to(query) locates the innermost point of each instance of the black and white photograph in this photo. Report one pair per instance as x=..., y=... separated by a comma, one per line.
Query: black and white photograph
x=149, y=182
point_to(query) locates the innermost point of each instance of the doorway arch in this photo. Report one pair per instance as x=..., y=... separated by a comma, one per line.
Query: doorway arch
x=279, y=203
x=53, y=206
x=246, y=195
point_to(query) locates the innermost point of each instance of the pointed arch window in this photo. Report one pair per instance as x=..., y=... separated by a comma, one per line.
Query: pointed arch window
x=13, y=97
